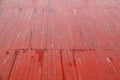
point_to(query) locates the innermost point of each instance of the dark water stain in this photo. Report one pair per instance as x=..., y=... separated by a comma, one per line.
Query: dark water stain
x=32, y=57
x=62, y=66
x=70, y=64
x=14, y=60
x=40, y=55
x=16, y=52
x=7, y=52
x=23, y=50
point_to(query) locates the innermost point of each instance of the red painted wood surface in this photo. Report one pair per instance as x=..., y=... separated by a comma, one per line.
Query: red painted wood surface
x=59, y=40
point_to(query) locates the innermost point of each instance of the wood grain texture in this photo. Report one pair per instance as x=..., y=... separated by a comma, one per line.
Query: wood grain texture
x=59, y=40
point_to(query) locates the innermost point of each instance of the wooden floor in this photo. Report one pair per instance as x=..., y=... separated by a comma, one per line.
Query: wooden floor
x=59, y=39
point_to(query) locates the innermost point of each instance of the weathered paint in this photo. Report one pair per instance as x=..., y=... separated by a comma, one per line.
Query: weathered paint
x=59, y=40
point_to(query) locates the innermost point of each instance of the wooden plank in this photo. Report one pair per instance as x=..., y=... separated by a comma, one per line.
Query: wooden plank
x=77, y=28
x=22, y=37
x=68, y=65
x=90, y=65
x=39, y=29
x=52, y=66
x=37, y=64
x=111, y=58
x=59, y=39
x=7, y=59
x=8, y=31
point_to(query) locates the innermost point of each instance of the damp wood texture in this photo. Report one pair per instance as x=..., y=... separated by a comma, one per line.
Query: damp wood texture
x=59, y=39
